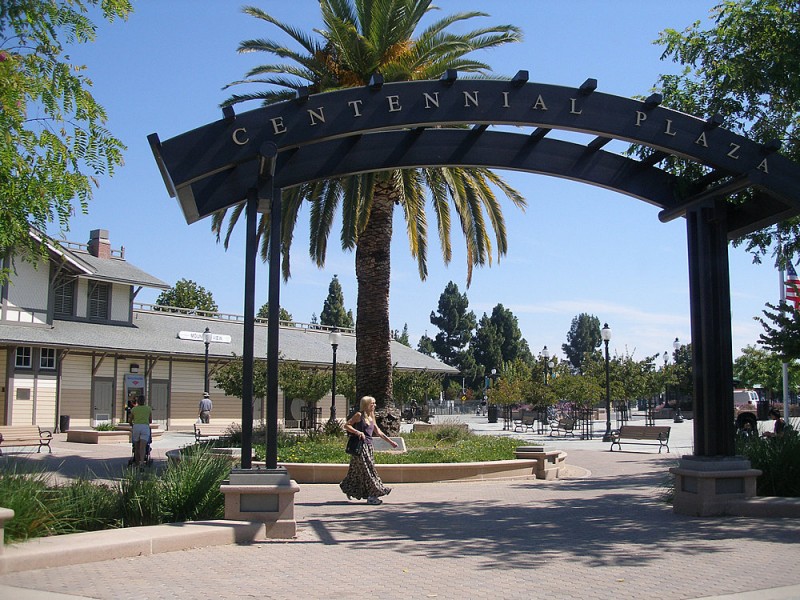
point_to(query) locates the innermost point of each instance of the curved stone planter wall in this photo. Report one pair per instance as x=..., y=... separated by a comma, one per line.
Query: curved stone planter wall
x=416, y=473
x=92, y=436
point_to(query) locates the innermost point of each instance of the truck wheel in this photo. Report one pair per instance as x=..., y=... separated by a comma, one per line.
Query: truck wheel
x=747, y=422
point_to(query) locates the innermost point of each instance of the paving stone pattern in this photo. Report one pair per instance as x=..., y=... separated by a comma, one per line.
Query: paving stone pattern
x=605, y=533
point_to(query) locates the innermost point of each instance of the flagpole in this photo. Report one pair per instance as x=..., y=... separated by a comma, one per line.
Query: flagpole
x=784, y=366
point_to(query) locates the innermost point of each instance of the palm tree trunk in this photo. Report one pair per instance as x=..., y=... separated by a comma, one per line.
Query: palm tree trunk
x=373, y=266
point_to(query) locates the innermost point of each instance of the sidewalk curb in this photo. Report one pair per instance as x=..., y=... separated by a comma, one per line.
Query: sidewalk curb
x=95, y=546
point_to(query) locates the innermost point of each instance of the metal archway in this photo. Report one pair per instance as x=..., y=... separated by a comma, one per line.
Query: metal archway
x=252, y=156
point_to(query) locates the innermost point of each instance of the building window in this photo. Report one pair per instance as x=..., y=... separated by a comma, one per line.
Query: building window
x=98, y=301
x=47, y=359
x=23, y=358
x=64, y=296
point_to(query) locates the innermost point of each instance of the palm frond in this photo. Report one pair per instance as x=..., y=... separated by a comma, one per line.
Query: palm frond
x=299, y=36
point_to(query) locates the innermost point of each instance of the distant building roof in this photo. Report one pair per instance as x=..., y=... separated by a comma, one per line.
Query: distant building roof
x=155, y=333
x=117, y=270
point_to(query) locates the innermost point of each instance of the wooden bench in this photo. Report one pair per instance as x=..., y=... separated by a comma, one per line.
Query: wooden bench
x=565, y=425
x=523, y=421
x=25, y=435
x=206, y=431
x=641, y=434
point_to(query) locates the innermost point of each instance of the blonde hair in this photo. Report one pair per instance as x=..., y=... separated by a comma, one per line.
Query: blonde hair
x=365, y=402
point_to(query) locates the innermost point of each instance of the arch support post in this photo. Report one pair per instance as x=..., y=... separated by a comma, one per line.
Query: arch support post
x=713, y=481
x=710, y=308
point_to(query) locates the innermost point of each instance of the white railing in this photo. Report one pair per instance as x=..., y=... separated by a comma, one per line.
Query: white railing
x=220, y=316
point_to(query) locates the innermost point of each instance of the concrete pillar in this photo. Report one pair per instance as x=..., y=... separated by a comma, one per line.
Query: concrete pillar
x=708, y=486
x=264, y=496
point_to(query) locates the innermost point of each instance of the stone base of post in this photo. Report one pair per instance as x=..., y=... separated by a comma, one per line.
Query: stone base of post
x=264, y=496
x=706, y=486
x=6, y=514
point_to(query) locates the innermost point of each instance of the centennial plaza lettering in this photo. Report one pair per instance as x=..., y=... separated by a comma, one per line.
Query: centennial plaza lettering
x=471, y=100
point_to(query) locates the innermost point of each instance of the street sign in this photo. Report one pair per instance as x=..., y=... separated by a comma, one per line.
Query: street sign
x=464, y=398
x=197, y=336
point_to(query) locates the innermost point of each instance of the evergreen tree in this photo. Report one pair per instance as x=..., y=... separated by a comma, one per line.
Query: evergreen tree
x=488, y=346
x=187, y=294
x=455, y=325
x=425, y=345
x=402, y=337
x=333, y=312
x=583, y=339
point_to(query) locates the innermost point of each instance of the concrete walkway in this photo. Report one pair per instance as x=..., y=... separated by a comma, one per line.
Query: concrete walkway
x=605, y=533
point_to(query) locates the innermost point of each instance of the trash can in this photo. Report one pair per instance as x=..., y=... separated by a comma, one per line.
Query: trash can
x=492, y=413
x=63, y=423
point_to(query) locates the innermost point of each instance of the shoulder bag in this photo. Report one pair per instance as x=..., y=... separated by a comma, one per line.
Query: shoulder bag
x=354, y=443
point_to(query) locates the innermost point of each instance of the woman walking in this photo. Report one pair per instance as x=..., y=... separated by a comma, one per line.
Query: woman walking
x=362, y=480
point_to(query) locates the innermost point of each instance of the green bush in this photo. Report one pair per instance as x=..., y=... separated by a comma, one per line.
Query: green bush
x=83, y=505
x=26, y=495
x=189, y=489
x=441, y=443
x=778, y=458
x=184, y=491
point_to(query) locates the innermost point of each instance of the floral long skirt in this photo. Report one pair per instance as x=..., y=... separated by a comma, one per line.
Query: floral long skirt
x=362, y=480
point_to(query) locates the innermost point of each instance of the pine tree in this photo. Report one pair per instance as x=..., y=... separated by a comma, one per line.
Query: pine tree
x=455, y=323
x=333, y=312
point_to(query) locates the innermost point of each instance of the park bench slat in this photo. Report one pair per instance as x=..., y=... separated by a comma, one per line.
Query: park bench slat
x=25, y=435
x=207, y=430
x=641, y=434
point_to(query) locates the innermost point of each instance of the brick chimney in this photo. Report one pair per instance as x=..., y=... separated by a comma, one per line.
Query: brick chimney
x=99, y=245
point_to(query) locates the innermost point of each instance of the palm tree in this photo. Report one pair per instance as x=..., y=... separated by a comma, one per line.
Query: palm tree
x=361, y=38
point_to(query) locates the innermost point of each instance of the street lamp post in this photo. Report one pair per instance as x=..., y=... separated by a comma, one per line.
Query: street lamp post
x=546, y=355
x=605, y=333
x=207, y=342
x=334, y=337
x=678, y=417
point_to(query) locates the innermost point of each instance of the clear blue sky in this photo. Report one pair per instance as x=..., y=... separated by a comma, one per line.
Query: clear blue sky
x=576, y=249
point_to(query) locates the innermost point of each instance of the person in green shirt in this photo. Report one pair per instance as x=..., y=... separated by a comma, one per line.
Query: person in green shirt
x=141, y=417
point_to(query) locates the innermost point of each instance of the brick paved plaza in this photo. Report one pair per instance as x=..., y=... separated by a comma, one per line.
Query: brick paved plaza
x=604, y=532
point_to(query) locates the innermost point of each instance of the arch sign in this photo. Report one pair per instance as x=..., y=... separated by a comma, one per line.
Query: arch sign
x=445, y=122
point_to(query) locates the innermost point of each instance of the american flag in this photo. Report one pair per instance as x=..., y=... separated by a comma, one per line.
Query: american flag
x=792, y=286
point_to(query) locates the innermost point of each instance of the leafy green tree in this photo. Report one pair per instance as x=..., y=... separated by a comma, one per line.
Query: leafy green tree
x=513, y=386
x=746, y=68
x=359, y=38
x=228, y=378
x=416, y=385
x=346, y=384
x=782, y=336
x=333, y=311
x=583, y=390
x=187, y=294
x=54, y=142
x=633, y=379
x=583, y=339
x=283, y=314
x=682, y=372
x=402, y=336
x=305, y=384
x=757, y=367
